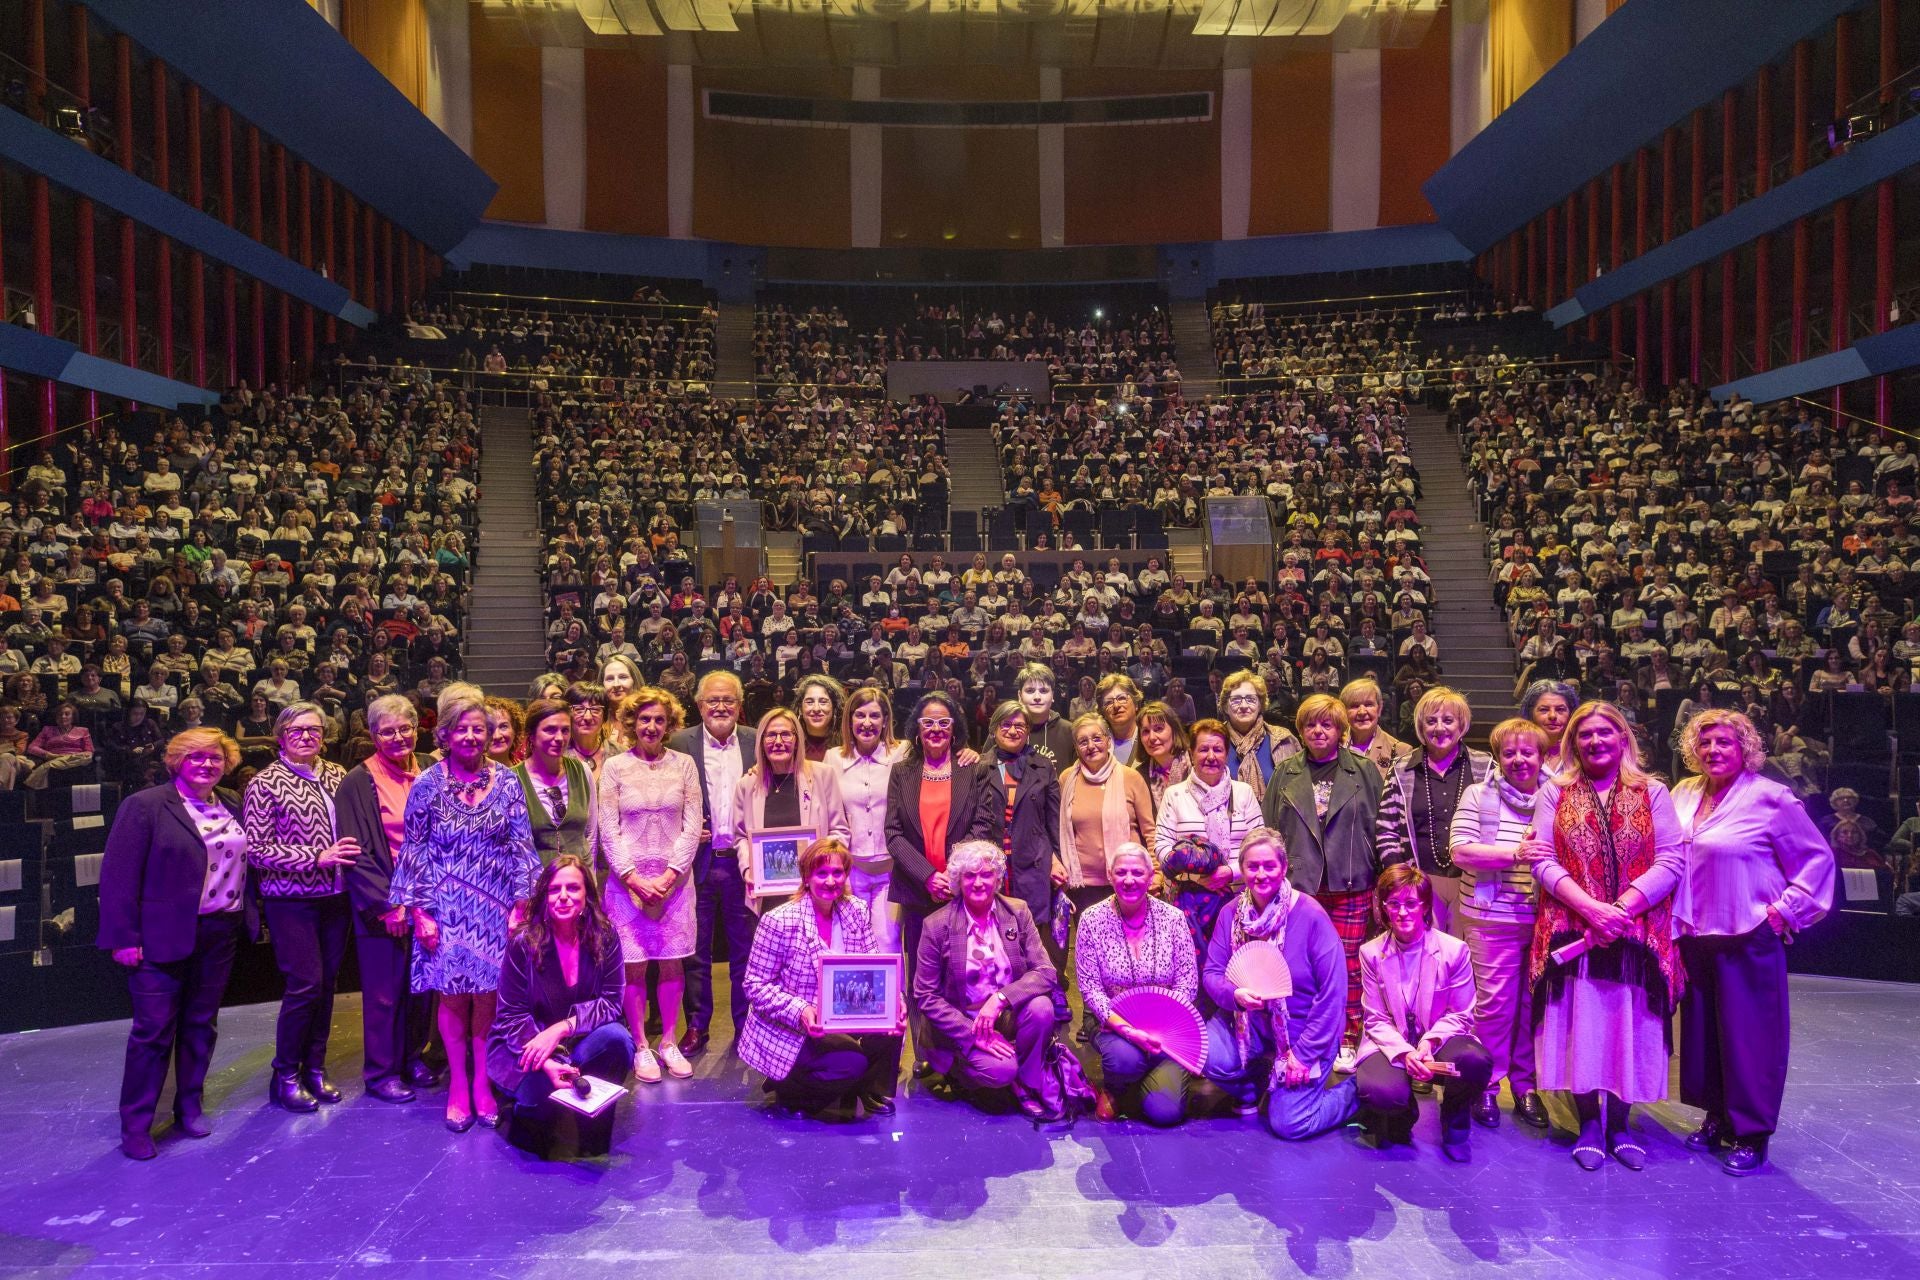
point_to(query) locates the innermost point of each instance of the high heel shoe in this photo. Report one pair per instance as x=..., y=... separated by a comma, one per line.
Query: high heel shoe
x=460, y=1124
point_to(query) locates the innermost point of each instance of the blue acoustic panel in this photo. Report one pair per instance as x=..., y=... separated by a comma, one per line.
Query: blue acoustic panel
x=1863, y=165
x=1315, y=254
x=514, y=244
x=43, y=357
x=282, y=67
x=1644, y=68
x=38, y=149
x=1888, y=352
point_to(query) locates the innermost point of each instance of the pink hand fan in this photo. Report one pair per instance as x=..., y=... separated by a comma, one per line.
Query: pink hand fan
x=1165, y=1014
x=1260, y=967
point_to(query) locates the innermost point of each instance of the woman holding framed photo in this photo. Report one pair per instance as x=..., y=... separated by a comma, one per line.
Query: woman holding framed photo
x=808, y=1067
x=784, y=792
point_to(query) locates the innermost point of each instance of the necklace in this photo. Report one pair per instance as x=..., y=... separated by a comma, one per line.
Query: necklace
x=939, y=773
x=1441, y=852
x=470, y=790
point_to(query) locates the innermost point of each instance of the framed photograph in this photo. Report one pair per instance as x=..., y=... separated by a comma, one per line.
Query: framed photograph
x=773, y=858
x=860, y=993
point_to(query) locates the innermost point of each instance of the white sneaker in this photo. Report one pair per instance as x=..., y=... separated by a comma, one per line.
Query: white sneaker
x=646, y=1067
x=677, y=1065
x=1343, y=1062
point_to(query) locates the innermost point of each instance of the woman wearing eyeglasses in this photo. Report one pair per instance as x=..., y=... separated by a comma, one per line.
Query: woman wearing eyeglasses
x=934, y=803
x=293, y=839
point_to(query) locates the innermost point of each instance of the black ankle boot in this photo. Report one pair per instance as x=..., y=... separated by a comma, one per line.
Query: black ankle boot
x=315, y=1082
x=285, y=1091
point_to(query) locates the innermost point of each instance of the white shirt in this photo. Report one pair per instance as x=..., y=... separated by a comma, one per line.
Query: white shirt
x=1757, y=849
x=863, y=789
x=723, y=769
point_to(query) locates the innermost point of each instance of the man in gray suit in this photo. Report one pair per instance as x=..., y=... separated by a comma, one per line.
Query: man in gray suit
x=722, y=753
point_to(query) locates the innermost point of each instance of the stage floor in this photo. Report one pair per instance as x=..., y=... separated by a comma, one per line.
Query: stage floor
x=703, y=1182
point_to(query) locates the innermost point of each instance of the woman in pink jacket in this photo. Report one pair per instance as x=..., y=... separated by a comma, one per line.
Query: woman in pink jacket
x=1416, y=1006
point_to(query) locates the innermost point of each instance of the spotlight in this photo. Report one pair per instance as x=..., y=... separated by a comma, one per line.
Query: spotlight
x=1098, y=314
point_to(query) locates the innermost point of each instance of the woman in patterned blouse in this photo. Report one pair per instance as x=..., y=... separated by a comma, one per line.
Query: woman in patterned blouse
x=467, y=865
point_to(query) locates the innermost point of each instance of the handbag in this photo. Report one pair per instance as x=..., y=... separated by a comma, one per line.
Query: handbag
x=1070, y=1080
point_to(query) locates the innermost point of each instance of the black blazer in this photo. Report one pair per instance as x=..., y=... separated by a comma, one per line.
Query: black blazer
x=979, y=812
x=692, y=741
x=1035, y=832
x=356, y=809
x=152, y=876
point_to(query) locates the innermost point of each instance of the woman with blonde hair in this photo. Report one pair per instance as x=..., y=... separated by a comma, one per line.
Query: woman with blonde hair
x=466, y=868
x=1609, y=854
x=784, y=789
x=1423, y=791
x=648, y=820
x=1757, y=873
x=865, y=758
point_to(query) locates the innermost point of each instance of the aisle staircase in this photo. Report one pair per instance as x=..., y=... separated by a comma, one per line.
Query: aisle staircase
x=1193, y=349
x=974, y=464
x=506, y=627
x=733, y=350
x=1476, y=656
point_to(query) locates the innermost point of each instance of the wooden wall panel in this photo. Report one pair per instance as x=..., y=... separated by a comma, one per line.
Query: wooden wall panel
x=1416, y=96
x=506, y=123
x=626, y=144
x=1292, y=139
x=1142, y=184
x=960, y=188
x=771, y=184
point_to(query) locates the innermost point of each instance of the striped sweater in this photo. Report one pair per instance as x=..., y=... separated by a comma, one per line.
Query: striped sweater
x=290, y=821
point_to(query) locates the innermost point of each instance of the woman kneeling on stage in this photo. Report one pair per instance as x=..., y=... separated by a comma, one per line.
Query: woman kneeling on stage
x=1416, y=1005
x=807, y=1067
x=558, y=1011
x=1273, y=1052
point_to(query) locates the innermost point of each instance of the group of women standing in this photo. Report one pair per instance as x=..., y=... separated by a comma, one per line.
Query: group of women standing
x=1416, y=913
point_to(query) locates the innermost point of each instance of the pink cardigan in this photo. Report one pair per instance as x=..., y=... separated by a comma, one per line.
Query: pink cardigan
x=1443, y=993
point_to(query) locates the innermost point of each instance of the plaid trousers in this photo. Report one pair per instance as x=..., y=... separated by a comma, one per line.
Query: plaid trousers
x=1352, y=919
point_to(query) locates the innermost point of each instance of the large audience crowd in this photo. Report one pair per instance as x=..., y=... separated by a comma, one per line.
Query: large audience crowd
x=165, y=575
x=803, y=348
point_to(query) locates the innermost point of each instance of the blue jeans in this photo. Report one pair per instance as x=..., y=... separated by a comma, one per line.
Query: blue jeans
x=1290, y=1114
x=1162, y=1082
x=606, y=1053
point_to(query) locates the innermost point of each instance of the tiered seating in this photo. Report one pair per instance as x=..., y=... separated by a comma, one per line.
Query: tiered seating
x=302, y=546
x=802, y=343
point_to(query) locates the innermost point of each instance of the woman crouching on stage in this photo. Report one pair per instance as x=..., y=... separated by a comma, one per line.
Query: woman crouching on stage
x=807, y=1068
x=1758, y=872
x=1282, y=1047
x=1416, y=1001
x=557, y=1014
x=1609, y=859
x=1132, y=940
x=985, y=986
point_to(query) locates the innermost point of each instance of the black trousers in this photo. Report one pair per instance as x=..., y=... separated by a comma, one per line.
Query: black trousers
x=1386, y=1090
x=309, y=944
x=1735, y=1029
x=396, y=1022
x=176, y=1014
x=719, y=901
x=832, y=1066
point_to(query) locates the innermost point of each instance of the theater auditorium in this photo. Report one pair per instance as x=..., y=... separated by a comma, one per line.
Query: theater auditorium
x=1029, y=638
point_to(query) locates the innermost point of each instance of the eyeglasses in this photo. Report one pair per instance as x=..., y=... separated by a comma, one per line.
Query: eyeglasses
x=719, y=704
x=936, y=724
x=302, y=731
x=588, y=713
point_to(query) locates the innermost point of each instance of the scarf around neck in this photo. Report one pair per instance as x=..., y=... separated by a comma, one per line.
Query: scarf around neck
x=1116, y=826
x=1248, y=746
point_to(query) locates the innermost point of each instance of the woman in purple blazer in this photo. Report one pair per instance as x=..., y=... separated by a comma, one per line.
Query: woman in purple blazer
x=1416, y=1009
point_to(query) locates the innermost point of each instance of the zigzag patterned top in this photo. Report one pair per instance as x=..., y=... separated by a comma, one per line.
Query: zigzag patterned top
x=289, y=821
x=465, y=867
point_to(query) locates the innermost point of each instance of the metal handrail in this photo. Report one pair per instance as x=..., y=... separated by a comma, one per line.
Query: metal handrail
x=455, y=295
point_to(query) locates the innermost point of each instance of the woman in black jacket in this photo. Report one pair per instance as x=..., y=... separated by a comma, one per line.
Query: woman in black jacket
x=175, y=898
x=1032, y=817
x=558, y=1011
x=933, y=804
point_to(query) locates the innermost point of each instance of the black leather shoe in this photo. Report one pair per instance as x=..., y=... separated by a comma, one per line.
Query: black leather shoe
x=1486, y=1110
x=137, y=1146
x=1746, y=1159
x=193, y=1124
x=1458, y=1150
x=317, y=1084
x=923, y=1071
x=285, y=1091
x=693, y=1041
x=875, y=1104
x=422, y=1076
x=390, y=1091
x=1533, y=1109
x=1710, y=1136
